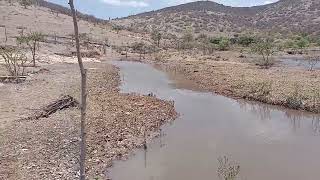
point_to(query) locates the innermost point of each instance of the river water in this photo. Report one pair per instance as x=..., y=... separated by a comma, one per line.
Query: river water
x=298, y=63
x=267, y=142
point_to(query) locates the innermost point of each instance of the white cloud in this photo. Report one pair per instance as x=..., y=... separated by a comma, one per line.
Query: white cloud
x=175, y=2
x=131, y=3
x=269, y=1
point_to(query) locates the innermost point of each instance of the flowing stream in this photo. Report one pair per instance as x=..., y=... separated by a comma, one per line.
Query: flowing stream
x=267, y=142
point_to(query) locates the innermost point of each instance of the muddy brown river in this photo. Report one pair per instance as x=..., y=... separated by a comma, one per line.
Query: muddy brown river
x=267, y=142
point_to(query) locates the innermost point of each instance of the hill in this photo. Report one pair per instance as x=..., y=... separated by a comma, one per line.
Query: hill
x=210, y=17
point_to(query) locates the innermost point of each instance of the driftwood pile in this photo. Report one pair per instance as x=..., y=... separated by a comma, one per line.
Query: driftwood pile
x=63, y=103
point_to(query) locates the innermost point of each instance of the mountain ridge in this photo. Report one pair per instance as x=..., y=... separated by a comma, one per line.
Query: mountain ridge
x=284, y=16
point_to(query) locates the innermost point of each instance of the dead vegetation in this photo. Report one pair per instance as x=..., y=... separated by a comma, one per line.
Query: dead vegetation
x=14, y=62
x=227, y=170
x=62, y=103
x=48, y=148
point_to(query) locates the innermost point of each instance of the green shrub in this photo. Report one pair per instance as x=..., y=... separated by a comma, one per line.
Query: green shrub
x=31, y=40
x=216, y=40
x=302, y=42
x=318, y=42
x=265, y=48
x=246, y=40
x=224, y=44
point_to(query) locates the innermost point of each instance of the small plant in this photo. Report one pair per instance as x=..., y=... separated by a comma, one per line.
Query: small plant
x=31, y=40
x=117, y=28
x=318, y=42
x=224, y=44
x=14, y=61
x=139, y=47
x=227, y=170
x=265, y=48
x=294, y=100
x=156, y=36
x=302, y=43
x=316, y=99
x=187, y=39
x=246, y=41
x=26, y=3
x=262, y=90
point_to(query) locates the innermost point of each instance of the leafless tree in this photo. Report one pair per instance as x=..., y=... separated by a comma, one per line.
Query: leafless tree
x=83, y=72
x=14, y=61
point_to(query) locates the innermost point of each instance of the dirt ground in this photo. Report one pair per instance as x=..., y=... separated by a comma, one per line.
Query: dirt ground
x=48, y=148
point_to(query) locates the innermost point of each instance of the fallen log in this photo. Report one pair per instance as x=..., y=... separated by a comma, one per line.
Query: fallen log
x=12, y=79
x=62, y=103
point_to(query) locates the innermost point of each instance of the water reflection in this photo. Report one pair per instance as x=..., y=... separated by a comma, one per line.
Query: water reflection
x=270, y=142
x=316, y=125
x=263, y=111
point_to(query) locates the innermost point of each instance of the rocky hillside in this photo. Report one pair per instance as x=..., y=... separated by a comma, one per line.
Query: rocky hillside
x=210, y=17
x=54, y=21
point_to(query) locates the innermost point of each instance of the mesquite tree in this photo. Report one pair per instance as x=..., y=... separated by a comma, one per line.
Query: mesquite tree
x=83, y=73
x=266, y=49
x=31, y=40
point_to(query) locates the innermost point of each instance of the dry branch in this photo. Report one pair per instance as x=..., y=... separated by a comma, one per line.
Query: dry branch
x=63, y=103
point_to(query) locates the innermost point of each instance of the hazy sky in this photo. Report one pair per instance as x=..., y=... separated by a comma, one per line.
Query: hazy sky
x=120, y=8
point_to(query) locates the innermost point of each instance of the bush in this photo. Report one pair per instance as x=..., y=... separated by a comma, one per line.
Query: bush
x=246, y=41
x=294, y=100
x=215, y=40
x=156, y=36
x=26, y=3
x=31, y=40
x=302, y=42
x=117, y=28
x=14, y=61
x=224, y=44
x=139, y=47
x=265, y=48
x=318, y=42
x=188, y=36
x=187, y=39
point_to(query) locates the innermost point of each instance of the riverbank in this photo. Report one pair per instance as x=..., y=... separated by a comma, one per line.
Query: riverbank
x=227, y=74
x=48, y=148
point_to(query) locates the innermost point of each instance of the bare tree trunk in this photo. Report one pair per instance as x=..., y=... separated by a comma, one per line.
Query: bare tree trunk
x=126, y=51
x=5, y=33
x=83, y=95
x=33, y=50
